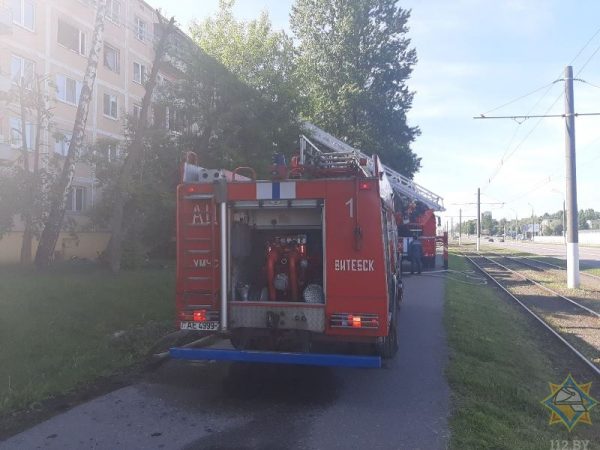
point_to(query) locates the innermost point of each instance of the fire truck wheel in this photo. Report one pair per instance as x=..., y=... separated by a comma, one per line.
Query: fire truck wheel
x=388, y=345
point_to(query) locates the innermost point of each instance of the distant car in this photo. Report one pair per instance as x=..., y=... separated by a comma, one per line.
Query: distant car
x=490, y=239
x=501, y=239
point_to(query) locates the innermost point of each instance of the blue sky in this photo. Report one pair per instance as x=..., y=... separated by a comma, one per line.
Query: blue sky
x=474, y=56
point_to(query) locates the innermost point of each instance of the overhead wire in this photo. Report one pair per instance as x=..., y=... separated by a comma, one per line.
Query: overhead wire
x=517, y=99
x=507, y=153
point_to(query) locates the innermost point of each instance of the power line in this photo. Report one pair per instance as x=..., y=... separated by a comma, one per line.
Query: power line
x=517, y=99
x=514, y=150
x=528, y=114
x=585, y=46
x=591, y=84
x=534, y=116
x=588, y=60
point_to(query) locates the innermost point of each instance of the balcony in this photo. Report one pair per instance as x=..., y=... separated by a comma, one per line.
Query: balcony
x=6, y=23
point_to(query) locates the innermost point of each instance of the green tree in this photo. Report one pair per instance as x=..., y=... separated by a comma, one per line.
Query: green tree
x=354, y=61
x=53, y=222
x=263, y=59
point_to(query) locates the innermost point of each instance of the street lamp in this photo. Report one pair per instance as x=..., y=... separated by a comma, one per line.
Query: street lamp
x=532, y=221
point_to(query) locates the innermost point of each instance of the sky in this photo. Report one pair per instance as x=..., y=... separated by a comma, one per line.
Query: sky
x=474, y=57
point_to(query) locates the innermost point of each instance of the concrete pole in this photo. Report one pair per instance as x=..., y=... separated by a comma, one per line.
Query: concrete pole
x=571, y=179
x=478, y=218
x=459, y=226
x=564, y=230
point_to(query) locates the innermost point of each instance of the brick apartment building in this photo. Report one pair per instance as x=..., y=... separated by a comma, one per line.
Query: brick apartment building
x=52, y=38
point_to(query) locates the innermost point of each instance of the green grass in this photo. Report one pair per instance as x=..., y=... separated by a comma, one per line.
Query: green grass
x=499, y=371
x=57, y=329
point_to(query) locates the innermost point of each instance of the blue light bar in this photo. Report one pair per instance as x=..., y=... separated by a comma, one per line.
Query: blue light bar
x=306, y=359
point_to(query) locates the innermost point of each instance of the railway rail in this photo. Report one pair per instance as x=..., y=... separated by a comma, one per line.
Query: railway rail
x=574, y=324
x=555, y=266
x=592, y=281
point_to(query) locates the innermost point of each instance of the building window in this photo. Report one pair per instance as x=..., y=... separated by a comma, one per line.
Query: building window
x=137, y=112
x=71, y=37
x=68, y=89
x=22, y=69
x=61, y=144
x=16, y=133
x=110, y=105
x=76, y=199
x=140, y=29
x=23, y=12
x=113, y=10
x=139, y=73
x=111, y=58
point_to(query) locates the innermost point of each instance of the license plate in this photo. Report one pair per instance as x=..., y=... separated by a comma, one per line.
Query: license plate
x=208, y=325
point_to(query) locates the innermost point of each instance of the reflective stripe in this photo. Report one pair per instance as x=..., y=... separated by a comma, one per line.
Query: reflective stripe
x=276, y=190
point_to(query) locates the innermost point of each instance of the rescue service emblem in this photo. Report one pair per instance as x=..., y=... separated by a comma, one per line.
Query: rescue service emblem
x=570, y=403
x=354, y=265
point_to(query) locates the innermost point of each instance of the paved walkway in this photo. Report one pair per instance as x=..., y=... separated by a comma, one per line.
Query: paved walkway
x=405, y=405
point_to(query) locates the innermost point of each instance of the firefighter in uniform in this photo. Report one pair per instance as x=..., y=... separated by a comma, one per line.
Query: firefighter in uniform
x=415, y=254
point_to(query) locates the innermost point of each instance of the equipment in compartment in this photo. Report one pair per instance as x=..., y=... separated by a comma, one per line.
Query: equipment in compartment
x=291, y=262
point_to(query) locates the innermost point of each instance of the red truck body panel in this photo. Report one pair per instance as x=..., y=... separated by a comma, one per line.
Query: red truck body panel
x=358, y=233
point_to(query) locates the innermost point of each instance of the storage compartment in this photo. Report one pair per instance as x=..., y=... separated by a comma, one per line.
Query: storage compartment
x=276, y=254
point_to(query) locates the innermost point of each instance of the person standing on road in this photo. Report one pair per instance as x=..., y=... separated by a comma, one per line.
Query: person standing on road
x=415, y=254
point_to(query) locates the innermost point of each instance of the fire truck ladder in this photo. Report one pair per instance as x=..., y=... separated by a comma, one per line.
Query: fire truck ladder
x=402, y=185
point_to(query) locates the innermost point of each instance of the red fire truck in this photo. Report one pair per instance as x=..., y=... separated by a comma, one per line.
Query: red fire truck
x=417, y=220
x=278, y=265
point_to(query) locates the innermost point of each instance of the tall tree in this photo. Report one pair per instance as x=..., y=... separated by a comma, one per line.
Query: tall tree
x=354, y=62
x=260, y=57
x=134, y=151
x=60, y=190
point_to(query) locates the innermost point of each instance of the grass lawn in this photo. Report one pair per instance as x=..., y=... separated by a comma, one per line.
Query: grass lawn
x=499, y=369
x=62, y=329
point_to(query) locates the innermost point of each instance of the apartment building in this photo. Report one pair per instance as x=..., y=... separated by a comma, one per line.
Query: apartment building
x=52, y=39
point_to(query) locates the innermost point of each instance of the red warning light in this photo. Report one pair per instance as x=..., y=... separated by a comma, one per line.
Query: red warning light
x=200, y=315
x=364, y=186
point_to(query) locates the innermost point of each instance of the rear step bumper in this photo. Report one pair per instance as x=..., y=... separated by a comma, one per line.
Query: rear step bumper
x=306, y=359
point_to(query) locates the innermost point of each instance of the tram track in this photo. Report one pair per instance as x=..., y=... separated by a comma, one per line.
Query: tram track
x=554, y=266
x=590, y=284
x=575, y=325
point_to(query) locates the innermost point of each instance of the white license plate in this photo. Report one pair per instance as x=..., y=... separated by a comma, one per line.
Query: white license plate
x=208, y=325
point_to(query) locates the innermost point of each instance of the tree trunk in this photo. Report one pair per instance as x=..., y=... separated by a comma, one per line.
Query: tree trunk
x=26, y=216
x=53, y=223
x=32, y=179
x=114, y=248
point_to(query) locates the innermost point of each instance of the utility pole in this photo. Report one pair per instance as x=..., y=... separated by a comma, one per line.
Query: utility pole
x=532, y=226
x=459, y=226
x=572, y=227
x=571, y=179
x=478, y=218
x=452, y=227
x=564, y=230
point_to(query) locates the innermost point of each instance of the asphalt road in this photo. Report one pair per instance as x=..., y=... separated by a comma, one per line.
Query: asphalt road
x=588, y=256
x=240, y=406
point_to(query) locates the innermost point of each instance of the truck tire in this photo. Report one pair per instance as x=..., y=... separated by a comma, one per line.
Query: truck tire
x=387, y=347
